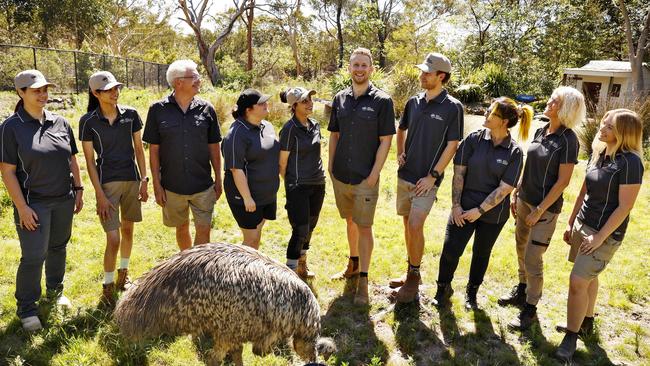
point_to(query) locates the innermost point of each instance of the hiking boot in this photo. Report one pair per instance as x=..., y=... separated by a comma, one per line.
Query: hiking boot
x=586, y=328
x=409, y=291
x=303, y=269
x=443, y=295
x=470, y=297
x=399, y=281
x=108, y=294
x=361, y=297
x=351, y=271
x=516, y=296
x=123, y=281
x=525, y=319
x=31, y=324
x=567, y=347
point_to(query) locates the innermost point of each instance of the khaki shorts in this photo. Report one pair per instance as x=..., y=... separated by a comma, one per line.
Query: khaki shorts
x=124, y=197
x=589, y=266
x=357, y=201
x=175, y=212
x=407, y=199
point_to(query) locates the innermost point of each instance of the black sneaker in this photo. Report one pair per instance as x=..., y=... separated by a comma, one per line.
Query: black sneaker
x=470, y=297
x=526, y=318
x=443, y=295
x=516, y=296
x=567, y=347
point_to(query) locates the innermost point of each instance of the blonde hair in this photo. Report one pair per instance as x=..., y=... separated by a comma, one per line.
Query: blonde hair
x=572, y=106
x=628, y=131
x=509, y=110
x=362, y=51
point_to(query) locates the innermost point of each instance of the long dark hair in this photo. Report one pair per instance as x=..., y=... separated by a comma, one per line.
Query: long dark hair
x=20, y=103
x=93, y=102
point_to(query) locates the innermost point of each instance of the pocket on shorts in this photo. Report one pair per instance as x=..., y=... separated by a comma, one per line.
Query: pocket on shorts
x=606, y=251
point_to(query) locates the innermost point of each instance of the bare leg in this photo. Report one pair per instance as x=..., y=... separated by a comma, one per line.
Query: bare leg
x=593, y=293
x=112, y=247
x=126, y=242
x=202, y=234
x=366, y=244
x=252, y=237
x=353, y=237
x=415, y=228
x=577, y=303
x=405, y=220
x=183, y=238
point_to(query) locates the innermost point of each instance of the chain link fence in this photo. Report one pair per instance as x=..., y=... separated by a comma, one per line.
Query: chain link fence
x=70, y=70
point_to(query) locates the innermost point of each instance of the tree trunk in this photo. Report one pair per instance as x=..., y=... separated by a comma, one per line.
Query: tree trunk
x=339, y=31
x=249, y=36
x=636, y=54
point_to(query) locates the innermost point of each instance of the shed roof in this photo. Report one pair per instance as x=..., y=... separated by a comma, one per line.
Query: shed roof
x=602, y=68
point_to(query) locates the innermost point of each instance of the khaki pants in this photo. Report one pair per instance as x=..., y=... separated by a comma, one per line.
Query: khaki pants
x=532, y=243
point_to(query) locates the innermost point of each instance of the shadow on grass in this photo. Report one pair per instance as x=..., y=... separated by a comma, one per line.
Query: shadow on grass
x=413, y=337
x=353, y=330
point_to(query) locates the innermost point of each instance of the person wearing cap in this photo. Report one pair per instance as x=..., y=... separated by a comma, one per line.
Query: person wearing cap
x=362, y=125
x=113, y=132
x=537, y=201
x=487, y=166
x=304, y=178
x=251, y=152
x=40, y=170
x=184, y=136
x=600, y=217
x=428, y=135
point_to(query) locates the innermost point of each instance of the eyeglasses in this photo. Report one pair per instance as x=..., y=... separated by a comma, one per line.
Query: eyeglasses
x=194, y=77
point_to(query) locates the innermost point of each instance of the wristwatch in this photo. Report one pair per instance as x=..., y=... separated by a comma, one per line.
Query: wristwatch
x=80, y=188
x=435, y=174
x=481, y=210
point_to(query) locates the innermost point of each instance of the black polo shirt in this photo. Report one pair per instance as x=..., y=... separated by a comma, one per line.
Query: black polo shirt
x=542, y=168
x=41, y=154
x=183, y=140
x=430, y=126
x=255, y=150
x=603, y=181
x=488, y=165
x=112, y=143
x=360, y=122
x=304, y=165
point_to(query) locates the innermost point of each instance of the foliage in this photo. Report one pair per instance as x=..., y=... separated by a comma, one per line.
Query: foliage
x=469, y=93
x=404, y=83
x=493, y=80
x=341, y=80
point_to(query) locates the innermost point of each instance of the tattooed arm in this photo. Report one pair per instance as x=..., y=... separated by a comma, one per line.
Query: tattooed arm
x=456, y=191
x=501, y=192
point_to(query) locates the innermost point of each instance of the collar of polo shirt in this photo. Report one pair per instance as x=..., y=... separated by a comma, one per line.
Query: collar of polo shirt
x=371, y=88
x=172, y=99
x=558, y=132
x=438, y=99
x=26, y=117
x=506, y=142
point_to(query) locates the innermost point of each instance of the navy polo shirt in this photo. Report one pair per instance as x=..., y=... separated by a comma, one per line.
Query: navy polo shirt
x=430, y=126
x=41, y=154
x=112, y=143
x=255, y=150
x=603, y=181
x=542, y=168
x=360, y=122
x=488, y=165
x=183, y=139
x=304, y=165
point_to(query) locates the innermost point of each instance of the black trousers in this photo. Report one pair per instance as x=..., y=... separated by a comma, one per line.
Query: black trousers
x=456, y=239
x=304, y=203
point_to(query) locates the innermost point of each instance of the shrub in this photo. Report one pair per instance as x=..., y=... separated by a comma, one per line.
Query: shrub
x=493, y=79
x=341, y=80
x=469, y=93
x=405, y=82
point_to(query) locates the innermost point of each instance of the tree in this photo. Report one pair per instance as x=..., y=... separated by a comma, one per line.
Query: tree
x=385, y=14
x=194, y=15
x=636, y=52
x=331, y=12
x=250, y=16
x=289, y=17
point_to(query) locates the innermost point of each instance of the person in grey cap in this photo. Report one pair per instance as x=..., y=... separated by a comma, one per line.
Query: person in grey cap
x=428, y=135
x=184, y=136
x=251, y=152
x=40, y=171
x=304, y=178
x=113, y=132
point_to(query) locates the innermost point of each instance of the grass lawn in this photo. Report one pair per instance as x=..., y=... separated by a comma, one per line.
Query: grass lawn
x=384, y=334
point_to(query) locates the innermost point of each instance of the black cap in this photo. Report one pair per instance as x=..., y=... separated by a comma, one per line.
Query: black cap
x=249, y=98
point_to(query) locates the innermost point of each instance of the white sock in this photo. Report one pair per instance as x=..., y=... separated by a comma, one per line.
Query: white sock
x=124, y=263
x=302, y=252
x=109, y=277
x=292, y=263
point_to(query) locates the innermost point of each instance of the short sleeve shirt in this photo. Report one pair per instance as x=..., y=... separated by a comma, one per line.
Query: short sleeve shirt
x=603, y=183
x=487, y=166
x=430, y=126
x=304, y=165
x=183, y=139
x=41, y=154
x=542, y=168
x=360, y=122
x=255, y=150
x=113, y=144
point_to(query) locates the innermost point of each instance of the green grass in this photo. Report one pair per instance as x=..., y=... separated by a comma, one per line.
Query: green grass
x=415, y=334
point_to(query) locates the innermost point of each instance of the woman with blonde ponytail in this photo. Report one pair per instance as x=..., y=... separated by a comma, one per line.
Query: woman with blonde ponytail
x=537, y=201
x=487, y=166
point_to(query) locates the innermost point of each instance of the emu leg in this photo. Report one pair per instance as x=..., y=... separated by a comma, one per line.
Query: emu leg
x=236, y=355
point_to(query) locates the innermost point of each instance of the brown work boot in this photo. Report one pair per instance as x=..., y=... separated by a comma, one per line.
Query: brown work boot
x=399, y=282
x=123, y=280
x=361, y=297
x=108, y=294
x=351, y=271
x=409, y=290
x=303, y=269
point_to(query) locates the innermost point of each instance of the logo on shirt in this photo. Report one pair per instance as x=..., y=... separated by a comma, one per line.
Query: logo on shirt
x=367, y=109
x=553, y=144
x=436, y=116
x=126, y=120
x=502, y=161
x=199, y=119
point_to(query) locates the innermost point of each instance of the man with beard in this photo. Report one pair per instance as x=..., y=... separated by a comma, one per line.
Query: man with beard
x=362, y=125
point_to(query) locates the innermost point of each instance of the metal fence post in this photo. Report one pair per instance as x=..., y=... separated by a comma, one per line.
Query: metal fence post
x=144, y=74
x=76, y=74
x=127, y=72
x=34, y=52
x=158, y=76
x=104, y=62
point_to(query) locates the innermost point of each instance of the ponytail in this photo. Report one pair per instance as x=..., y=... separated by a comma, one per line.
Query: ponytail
x=93, y=102
x=515, y=113
x=20, y=103
x=526, y=114
x=283, y=96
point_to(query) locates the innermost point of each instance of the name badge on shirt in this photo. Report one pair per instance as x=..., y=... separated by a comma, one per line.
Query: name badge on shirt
x=502, y=161
x=367, y=109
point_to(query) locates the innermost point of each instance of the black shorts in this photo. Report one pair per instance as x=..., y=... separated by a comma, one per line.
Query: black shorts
x=250, y=220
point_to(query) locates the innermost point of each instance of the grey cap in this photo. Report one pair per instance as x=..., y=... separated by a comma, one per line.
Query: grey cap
x=435, y=62
x=298, y=94
x=102, y=80
x=30, y=79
